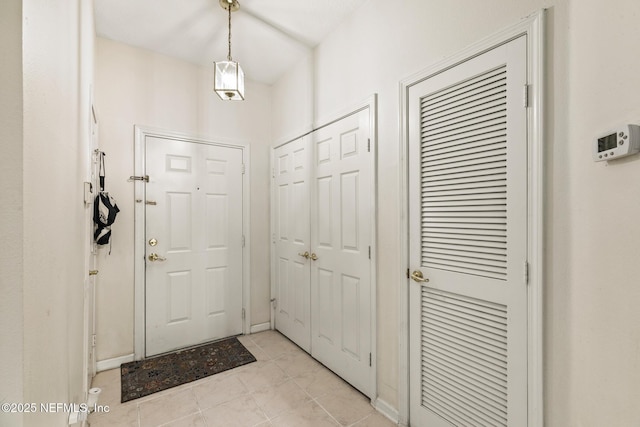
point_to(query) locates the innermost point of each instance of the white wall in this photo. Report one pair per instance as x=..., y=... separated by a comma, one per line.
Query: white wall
x=138, y=87
x=11, y=305
x=592, y=327
x=49, y=174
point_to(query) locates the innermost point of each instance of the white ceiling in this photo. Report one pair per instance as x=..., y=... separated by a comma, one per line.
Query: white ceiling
x=267, y=36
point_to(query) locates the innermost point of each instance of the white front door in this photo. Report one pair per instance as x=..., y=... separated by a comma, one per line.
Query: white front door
x=292, y=241
x=468, y=237
x=193, y=241
x=341, y=219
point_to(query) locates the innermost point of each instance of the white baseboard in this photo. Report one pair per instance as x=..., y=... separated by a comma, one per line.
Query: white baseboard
x=105, y=365
x=387, y=410
x=260, y=327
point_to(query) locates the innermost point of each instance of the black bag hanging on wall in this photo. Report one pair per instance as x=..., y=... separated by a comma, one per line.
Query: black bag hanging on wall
x=105, y=210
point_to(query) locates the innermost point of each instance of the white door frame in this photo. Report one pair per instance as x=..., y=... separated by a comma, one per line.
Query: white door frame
x=533, y=27
x=372, y=104
x=141, y=132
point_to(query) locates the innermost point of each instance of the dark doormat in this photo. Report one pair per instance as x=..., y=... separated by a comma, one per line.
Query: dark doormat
x=145, y=377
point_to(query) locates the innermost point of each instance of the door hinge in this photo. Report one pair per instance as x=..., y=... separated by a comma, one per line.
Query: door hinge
x=525, y=96
x=273, y=172
x=369, y=144
x=274, y=302
x=243, y=314
x=242, y=169
x=243, y=240
x=369, y=252
x=93, y=340
x=369, y=359
x=526, y=272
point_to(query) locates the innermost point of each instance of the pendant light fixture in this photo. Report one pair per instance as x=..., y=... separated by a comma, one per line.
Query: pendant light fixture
x=228, y=81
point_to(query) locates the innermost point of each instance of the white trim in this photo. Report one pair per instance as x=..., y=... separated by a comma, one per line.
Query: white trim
x=386, y=409
x=246, y=231
x=141, y=132
x=260, y=327
x=105, y=365
x=326, y=121
x=292, y=136
x=536, y=65
x=372, y=104
x=533, y=27
x=272, y=239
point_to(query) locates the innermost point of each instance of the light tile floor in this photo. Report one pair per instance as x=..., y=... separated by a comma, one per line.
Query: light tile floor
x=284, y=387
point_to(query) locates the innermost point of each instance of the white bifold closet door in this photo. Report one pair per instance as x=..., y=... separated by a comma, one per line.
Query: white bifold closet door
x=323, y=218
x=293, y=241
x=468, y=236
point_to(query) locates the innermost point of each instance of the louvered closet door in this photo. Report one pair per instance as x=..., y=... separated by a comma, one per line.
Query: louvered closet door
x=468, y=228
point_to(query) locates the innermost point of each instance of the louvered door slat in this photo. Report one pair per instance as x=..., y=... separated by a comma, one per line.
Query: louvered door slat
x=486, y=250
x=449, y=119
x=477, y=378
x=476, y=333
x=464, y=203
x=468, y=163
x=456, y=152
x=465, y=364
x=471, y=171
x=463, y=93
x=472, y=82
x=466, y=142
x=481, y=402
x=466, y=340
x=445, y=181
x=470, y=404
x=459, y=129
x=448, y=157
x=462, y=238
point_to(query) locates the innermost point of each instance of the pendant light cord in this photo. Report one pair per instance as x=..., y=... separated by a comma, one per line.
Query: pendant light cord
x=229, y=55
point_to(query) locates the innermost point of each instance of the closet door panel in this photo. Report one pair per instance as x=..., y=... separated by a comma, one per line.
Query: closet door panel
x=341, y=211
x=292, y=241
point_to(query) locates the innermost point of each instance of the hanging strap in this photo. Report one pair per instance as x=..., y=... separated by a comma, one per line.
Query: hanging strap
x=101, y=170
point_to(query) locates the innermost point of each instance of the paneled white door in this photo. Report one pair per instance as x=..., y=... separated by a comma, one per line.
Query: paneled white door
x=468, y=237
x=341, y=219
x=193, y=287
x=292, y=241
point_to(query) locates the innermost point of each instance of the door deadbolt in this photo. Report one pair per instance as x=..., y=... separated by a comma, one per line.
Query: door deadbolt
x=153, y=242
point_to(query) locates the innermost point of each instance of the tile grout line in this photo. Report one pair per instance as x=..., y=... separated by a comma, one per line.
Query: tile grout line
x=327, y=412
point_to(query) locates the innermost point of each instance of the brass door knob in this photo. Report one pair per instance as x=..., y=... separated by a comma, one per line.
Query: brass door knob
x=418, y=277
x=156, y=257
x=304, y=255
x=314, y=256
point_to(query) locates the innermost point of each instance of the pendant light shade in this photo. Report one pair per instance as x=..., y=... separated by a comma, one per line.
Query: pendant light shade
x=228, y=78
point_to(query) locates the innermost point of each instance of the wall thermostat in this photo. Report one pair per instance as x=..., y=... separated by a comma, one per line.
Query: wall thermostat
x=619, y=142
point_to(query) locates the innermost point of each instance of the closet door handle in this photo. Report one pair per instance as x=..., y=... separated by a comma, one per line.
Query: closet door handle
x=314, y=256
x=417, y=276
x=304, y=255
